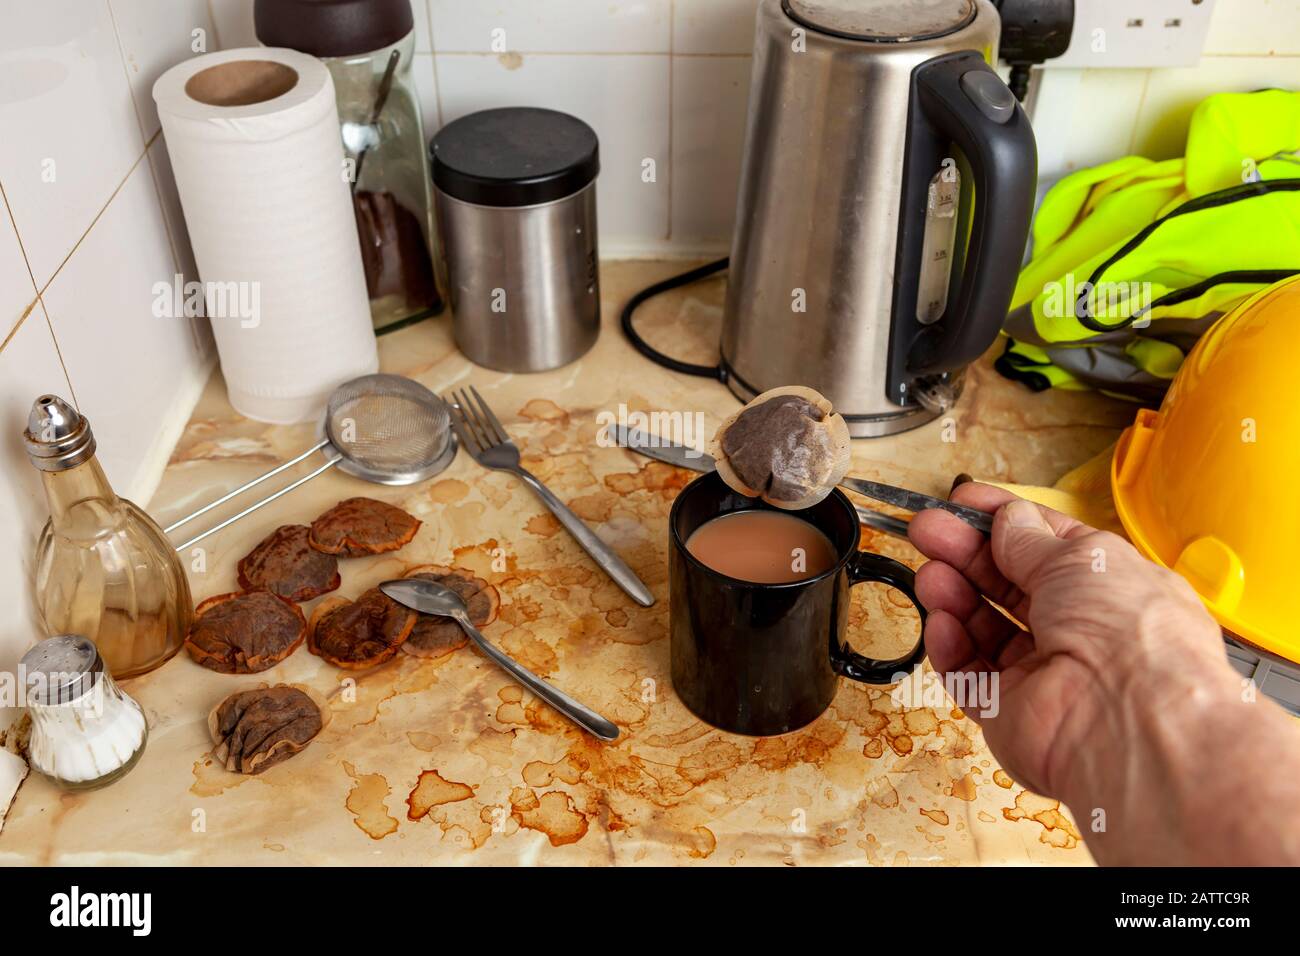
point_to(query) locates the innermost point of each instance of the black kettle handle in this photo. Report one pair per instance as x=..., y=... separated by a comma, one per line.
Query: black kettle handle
x=958, y=98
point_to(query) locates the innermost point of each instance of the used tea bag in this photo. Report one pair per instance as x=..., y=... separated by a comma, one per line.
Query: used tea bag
x=256, y=729
x=245, y=632
x=786, y=446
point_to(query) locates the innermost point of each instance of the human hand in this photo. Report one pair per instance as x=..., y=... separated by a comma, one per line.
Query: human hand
x=1103, y=631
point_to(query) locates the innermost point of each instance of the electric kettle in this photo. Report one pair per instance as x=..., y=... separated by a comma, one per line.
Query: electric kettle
x=885, y=197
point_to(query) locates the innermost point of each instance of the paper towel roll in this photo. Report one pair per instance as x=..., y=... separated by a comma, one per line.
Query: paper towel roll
x=254, y=140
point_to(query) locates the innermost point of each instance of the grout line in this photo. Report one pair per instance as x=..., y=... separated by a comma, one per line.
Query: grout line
x=82, y=238
x=121, y=55
x=1137, y=114
x=162, y=206
x=172, y=244
x=4, y=196
x=147, y=140
x=433, y=59
x=212, y=19
x=19, y=324
x=58, y=350
x=672, y=45
x=32, y=305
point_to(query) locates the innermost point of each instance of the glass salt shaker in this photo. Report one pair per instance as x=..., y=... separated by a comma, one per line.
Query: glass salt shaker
x=369, y=48
x=86, y=731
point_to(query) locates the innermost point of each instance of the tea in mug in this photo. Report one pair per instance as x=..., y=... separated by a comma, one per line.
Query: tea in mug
x=763, y=547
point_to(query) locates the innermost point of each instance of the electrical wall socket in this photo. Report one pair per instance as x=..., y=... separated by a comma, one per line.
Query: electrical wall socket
x=1137, y=33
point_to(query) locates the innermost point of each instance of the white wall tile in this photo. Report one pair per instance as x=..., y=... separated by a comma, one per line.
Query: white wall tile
x=29, y=366
x=1085, y=117
x=170, y=199
x=17, y=292
x=573, y=26
x=1244, y=27
x=155, y=35
x=178, y=236
x=624, y=98
x=66, y=108
x=1172, y=94
x=714, y=26
x=234, y=23
x=128, y=366
x=426, y=88
x=710, y=100
x=420, y=13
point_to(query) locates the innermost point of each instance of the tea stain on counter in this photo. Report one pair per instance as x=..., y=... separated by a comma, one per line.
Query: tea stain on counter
x=543, y=525
x=529, y=650
x=1058, y=831
x=544, y=410
x=423, y=740
x=433, y=790
x=964, y=788
x=366, y=801
x=553, y=813
x=882, y=792
x=447, y=491
x=701, y=843
x=212, y=779
x=665, y=481
x=495, y=747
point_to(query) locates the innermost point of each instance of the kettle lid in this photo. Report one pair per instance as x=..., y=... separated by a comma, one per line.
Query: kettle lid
x=888, y=21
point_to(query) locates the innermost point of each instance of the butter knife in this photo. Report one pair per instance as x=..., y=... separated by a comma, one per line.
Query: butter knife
x=652, y=446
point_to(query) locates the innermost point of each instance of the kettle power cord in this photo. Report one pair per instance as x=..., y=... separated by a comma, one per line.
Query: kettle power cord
x=649, y=351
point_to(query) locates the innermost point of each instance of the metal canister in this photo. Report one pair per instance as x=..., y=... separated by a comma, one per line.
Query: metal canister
x=515, y=196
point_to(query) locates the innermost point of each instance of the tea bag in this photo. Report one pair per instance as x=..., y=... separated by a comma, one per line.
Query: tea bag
x=256, y=729
x=786, y=446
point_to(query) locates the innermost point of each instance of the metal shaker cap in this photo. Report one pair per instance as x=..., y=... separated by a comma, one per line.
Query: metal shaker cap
x=62, y=669
x=57, y=437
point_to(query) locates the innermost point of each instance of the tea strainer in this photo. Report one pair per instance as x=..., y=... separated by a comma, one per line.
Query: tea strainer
x=387, y=429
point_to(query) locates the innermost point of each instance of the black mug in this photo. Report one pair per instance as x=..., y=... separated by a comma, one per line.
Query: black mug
x=765, y=659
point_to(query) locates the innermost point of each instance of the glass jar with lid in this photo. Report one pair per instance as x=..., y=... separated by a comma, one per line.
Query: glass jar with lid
x=369, y=48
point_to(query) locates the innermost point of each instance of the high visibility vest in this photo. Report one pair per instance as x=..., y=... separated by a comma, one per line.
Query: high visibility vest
x=1134, y=259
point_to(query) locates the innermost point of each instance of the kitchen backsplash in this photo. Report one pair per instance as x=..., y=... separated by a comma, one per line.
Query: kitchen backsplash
x=92, y=222
x=668, y=80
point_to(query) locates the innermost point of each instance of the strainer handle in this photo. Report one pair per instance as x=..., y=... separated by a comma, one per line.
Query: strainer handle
x=333, y=460
x=244, y=487
x=600, y=552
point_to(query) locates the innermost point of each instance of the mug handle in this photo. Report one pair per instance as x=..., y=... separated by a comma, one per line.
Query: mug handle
x=863, y=567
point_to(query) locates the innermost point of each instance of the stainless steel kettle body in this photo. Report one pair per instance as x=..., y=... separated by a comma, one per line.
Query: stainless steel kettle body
x=885, y=198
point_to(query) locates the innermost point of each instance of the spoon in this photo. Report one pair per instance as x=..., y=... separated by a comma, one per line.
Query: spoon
x=430, y=597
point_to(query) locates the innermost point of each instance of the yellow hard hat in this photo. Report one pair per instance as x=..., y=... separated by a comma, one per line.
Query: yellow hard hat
x=1207, y=485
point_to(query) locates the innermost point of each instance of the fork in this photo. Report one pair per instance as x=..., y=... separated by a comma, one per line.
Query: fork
x=485, y=438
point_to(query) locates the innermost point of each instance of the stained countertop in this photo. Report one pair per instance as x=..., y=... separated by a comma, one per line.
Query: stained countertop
x=450, y=761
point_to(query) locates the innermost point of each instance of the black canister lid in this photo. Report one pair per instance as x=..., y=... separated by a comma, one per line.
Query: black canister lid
x=518, y=156
x=332, y=27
